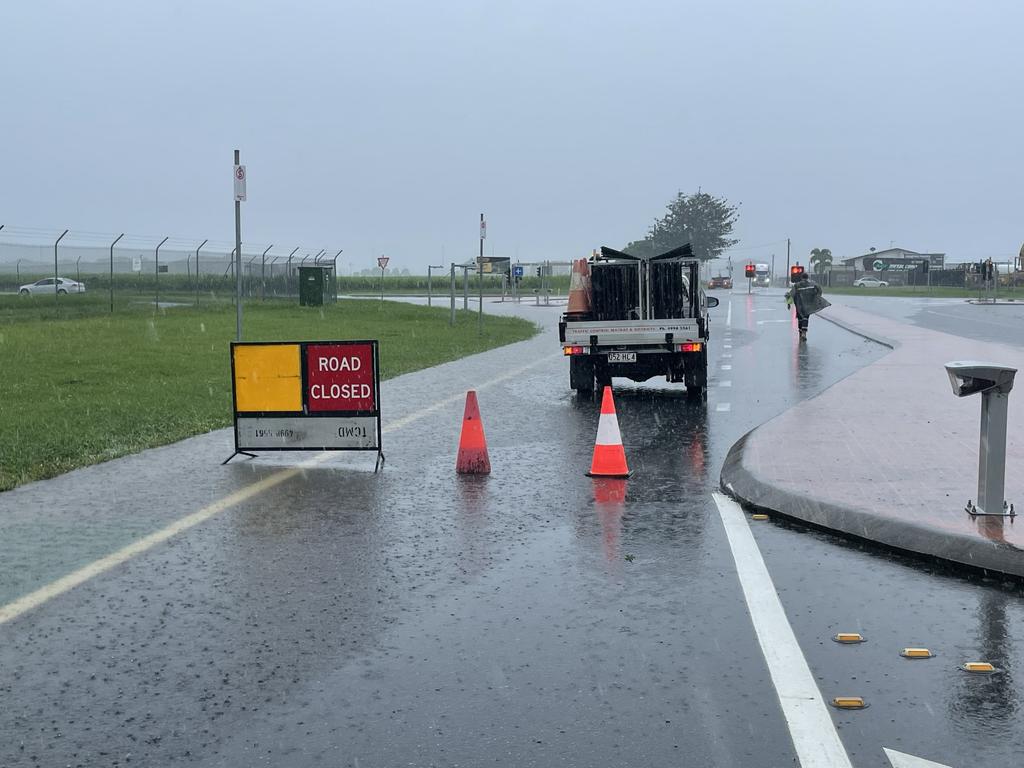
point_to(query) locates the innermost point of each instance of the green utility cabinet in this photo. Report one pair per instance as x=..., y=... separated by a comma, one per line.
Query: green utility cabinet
x=316, y=286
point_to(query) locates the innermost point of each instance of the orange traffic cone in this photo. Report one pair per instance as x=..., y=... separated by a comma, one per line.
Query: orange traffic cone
x=473, y=458
x=609, y=455
x=579, y=288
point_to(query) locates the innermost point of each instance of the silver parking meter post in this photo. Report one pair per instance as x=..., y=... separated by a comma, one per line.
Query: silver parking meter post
x=992, y=453
x=994, y=383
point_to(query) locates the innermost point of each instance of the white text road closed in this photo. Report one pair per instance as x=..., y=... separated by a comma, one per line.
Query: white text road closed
x=328, y=363
x=340, y=391
x=303, y=432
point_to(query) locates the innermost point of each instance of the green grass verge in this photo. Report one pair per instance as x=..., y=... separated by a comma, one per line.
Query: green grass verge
x=936, y=292
x=76, y=389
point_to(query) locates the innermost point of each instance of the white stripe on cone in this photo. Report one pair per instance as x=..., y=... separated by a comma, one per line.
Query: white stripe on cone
x=608, y=430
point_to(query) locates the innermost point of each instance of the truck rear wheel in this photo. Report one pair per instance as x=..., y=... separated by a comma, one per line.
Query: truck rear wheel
x=581, y=374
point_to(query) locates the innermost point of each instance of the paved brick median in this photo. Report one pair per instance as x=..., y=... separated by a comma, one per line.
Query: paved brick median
x=889, y=454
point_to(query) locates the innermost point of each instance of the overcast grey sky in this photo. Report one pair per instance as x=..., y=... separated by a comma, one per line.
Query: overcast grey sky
x=387, y=127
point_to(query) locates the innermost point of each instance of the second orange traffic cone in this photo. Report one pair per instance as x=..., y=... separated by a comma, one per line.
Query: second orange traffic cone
x=579, y=288
x=473, y=458
x=609, y=455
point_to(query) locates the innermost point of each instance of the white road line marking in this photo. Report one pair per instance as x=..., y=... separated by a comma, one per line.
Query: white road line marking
x=726, y=367
x=728, y=315
x=727, y=346
x=815, y=739
x=727, y=356
x=766, y=322
x=78, y=577
x=903, y=760
x=723, y=407
x=725, y=383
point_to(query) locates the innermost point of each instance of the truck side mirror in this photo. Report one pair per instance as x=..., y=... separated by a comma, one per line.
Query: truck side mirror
x=968, y=377
x=712, y=301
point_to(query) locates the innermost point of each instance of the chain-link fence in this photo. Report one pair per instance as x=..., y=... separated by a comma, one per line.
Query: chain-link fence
x=132, y=269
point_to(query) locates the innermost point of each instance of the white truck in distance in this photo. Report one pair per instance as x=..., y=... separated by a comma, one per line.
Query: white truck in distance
x=762, y=276
x=637, y=318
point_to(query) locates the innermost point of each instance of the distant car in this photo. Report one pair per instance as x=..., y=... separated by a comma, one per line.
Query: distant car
x=720, y=282
x=870, y=282
x=64, y=285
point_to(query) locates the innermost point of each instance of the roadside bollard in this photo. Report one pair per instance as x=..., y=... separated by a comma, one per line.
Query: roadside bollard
x=994, y=382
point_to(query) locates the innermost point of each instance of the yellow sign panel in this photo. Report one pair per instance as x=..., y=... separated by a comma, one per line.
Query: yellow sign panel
x=268, y=377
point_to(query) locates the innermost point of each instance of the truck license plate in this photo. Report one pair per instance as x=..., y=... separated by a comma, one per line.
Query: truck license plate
x=622, y=357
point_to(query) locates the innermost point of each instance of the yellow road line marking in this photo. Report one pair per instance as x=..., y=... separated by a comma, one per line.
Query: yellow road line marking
x=34, y=599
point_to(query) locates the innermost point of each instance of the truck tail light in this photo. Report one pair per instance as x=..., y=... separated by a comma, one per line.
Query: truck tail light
x=690, y=347
x=573, y=350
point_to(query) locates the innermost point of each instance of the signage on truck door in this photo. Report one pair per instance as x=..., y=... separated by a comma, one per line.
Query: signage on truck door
x=306, y=396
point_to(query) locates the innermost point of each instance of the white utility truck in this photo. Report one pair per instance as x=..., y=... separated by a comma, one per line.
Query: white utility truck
x=637, y=317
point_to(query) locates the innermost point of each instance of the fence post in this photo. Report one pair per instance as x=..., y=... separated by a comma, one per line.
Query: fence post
x=263, y=274
x=157, y=273
x=197, y=270
x=112, y=271
x=335, y=278
x=56, y=292
x=288, y=270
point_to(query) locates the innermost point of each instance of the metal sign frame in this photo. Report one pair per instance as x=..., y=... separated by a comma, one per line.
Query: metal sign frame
x=306, y=412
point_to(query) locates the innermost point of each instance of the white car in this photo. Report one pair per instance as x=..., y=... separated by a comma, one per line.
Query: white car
x=65, y=285
x=870, y=282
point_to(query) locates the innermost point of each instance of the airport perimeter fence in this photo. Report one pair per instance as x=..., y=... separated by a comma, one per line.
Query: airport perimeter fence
x=962, y=276
x=121, y=271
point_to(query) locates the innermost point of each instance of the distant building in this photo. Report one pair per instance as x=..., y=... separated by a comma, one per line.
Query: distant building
x=894, y=260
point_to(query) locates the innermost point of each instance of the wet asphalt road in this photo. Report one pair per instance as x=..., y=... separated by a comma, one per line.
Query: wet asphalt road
x=535, y=617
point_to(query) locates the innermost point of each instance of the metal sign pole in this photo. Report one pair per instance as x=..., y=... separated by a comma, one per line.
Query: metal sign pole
x=480, y=274
x=239, y=197
x=451, y=294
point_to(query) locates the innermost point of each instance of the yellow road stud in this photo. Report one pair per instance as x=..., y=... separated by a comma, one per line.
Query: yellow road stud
x=759, y=516
x=979, y=666
x=848, y=702
x=916, y=653
x=848, y=637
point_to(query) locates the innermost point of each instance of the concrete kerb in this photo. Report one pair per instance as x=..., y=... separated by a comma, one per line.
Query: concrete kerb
x=960, y=552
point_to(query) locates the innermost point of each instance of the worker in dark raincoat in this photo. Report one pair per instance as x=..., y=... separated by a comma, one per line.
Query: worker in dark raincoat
x=806, y=297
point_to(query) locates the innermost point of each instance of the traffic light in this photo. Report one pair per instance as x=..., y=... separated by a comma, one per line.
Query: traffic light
x=795, y=273
x=749, y=271
x=538, y=271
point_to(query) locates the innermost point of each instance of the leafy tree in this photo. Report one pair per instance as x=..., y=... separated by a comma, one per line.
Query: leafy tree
x=701, y=219
x=821, y=259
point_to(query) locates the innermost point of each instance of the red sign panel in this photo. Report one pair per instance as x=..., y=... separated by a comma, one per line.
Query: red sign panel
x=339, y=377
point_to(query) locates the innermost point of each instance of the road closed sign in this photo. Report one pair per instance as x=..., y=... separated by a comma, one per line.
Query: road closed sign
x=306, y=396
